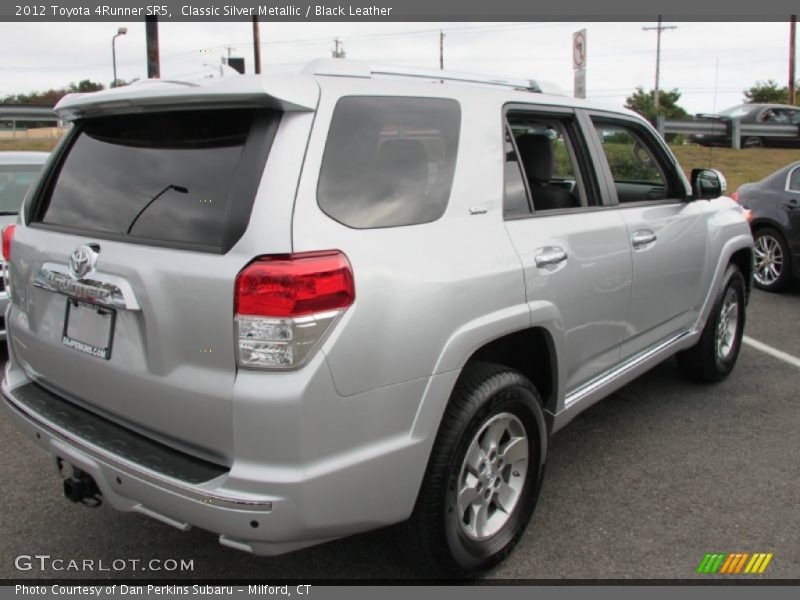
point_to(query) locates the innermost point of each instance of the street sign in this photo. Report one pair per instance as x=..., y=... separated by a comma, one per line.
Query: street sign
x=580, y=83
x=579, y=49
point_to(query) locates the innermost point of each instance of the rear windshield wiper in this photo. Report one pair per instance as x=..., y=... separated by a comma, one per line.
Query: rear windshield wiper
x=177, y=188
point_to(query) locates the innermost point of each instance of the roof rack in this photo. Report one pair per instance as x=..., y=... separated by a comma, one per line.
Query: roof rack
x=353, y=68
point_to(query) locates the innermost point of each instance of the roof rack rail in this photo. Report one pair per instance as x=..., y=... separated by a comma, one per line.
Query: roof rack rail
x=354, y=68
x=518, y=84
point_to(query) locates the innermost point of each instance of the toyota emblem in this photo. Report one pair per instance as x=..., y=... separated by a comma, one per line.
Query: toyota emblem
x=82, y=262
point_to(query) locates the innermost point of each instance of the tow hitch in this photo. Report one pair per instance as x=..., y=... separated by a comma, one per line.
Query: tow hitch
x=79, y=486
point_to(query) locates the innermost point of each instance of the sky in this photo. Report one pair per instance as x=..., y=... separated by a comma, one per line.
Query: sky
x=710, y=63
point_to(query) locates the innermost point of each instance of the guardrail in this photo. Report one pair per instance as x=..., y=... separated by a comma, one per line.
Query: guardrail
x=731, y=131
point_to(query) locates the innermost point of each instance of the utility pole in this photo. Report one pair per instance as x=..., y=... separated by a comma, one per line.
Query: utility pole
x=792, y=42
x=441, y=50
x=151, y=35
x=256, y=45
x=658, y=31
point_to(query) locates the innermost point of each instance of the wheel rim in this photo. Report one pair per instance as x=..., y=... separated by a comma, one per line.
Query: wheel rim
x=492, y=476
x=728, y=324
x=769, y=260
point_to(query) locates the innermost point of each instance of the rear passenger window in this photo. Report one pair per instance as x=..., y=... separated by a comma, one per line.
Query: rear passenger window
x=543, y=150
x=389, y=161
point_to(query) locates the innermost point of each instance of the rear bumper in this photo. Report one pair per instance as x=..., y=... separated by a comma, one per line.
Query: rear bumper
x=129, y=486
x=253, y=505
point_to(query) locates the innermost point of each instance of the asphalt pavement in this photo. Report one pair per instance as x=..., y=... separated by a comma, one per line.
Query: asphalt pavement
x=640, y=486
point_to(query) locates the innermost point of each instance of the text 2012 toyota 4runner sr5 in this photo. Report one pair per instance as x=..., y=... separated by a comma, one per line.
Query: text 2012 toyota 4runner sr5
x=289, y=309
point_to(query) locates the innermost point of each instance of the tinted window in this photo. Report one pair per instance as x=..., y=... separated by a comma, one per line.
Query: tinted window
x=14, y=182
x=389, y=161
x=515, y=199
x=184, y=178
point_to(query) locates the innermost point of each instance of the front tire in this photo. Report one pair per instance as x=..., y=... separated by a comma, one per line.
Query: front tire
x=773, y=269
x=484, y=474
x=714, y=356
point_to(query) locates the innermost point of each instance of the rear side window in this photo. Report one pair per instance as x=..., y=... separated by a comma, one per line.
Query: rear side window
x=184, y=179
x=794, y=181
x=389, y=161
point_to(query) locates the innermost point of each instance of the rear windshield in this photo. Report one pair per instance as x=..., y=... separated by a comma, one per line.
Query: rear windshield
x=14, y=182
x=185, y=179
x=389, y=161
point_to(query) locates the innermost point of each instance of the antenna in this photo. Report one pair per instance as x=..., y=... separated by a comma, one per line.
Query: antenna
x=714, y=111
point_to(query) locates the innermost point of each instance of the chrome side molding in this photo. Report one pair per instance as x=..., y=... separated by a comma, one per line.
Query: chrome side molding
x=595, y=384
x=107, y=290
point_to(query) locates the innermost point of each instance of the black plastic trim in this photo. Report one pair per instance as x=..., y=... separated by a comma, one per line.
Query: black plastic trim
x=113, y=438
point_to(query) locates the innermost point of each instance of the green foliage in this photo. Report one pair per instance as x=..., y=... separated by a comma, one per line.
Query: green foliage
x=644, y=103
x=629, y=162
x=52, y=96
x=768, y=92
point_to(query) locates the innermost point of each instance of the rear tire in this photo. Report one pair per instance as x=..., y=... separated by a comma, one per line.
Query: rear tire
x=484, y=474
x=714, y=356
x=772, y=271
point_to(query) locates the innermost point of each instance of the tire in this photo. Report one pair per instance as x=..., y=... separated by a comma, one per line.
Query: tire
x=714, y=356
x=772, y=270
x=489, y=402
x=752, y=142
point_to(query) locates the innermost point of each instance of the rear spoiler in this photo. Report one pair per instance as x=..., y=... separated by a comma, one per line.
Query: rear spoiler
x=285, y=93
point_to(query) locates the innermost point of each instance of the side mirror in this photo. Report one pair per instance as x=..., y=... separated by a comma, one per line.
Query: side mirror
x=708, y=184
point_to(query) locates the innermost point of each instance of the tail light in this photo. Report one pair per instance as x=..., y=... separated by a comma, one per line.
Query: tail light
x=285, y=305
x=735, y=196
x=8, y=234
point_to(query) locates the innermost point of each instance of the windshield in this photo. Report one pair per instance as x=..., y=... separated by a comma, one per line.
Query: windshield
x=738, y=111
x=14, y=182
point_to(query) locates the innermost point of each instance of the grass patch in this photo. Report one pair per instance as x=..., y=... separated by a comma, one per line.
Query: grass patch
x=45, y=145
x=738, y=166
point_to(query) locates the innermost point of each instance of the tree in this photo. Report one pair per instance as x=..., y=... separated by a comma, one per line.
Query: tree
x=768, y=92
x=85, y=85
x=52, y=96
x=644, y=103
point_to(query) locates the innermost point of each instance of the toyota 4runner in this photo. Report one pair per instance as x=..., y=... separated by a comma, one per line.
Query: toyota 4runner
x=288, y=309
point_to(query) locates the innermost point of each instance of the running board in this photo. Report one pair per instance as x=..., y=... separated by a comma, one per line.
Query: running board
x=604, y=379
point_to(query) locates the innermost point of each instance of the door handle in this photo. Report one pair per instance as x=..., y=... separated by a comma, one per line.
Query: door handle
x=792, y=204
x=643, y=237
x=550, y=256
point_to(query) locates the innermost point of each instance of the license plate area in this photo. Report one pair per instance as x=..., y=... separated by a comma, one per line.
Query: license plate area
x=89, y=328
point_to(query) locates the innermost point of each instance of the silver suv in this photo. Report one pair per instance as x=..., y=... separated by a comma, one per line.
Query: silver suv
x=290, y=309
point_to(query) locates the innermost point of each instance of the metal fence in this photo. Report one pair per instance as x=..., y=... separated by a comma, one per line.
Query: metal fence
x=729, y=131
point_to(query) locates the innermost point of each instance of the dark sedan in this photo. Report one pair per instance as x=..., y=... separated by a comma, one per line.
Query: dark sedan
x=775, y=205
x=779, y=114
